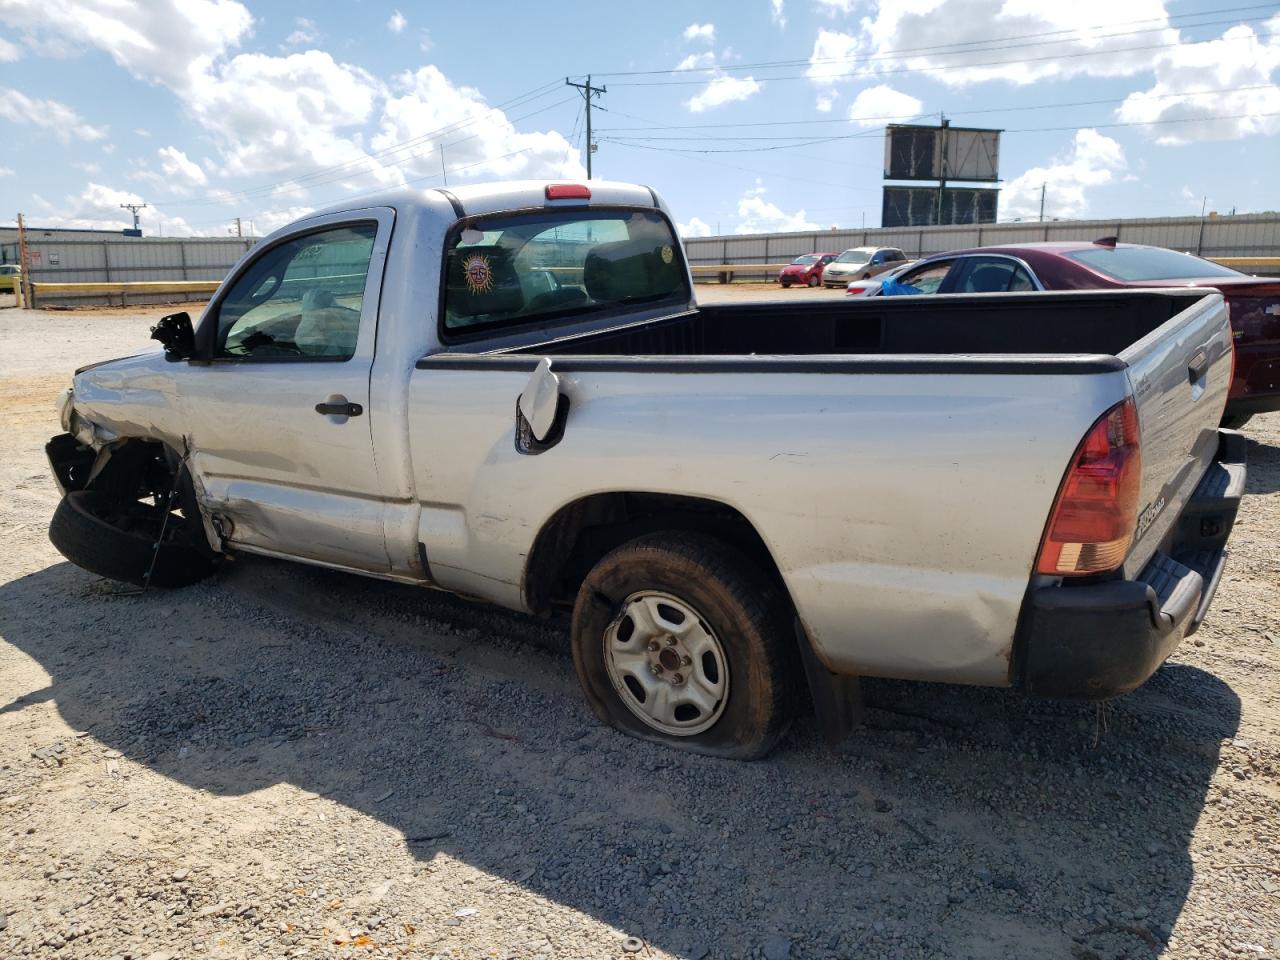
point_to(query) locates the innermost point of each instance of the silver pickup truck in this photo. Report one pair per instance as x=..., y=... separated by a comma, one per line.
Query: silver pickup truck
x=509, y=392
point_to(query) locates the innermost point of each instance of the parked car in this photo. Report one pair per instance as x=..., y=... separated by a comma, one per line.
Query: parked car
x=869, y=288
x=862, y=263
x=1253, y=302
x=10, y=277
x=806, y=269
x=729, y=500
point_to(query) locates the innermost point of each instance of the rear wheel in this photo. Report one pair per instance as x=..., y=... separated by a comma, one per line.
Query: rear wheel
x=676, y=639
x=814, y=281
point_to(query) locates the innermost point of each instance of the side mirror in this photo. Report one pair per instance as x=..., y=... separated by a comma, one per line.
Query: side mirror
x=540, y=399
x=178, y=336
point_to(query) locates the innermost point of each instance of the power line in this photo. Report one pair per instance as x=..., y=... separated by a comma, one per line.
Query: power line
x=637, y=141
x=949, y=66
x=993, y=43
x=897, y=117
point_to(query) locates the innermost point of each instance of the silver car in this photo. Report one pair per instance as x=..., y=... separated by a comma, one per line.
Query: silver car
x=861, y=263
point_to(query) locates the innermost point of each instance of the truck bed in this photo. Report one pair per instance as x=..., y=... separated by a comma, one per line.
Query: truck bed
x=1084, y=323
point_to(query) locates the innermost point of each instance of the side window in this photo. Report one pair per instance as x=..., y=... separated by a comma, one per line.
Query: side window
x=879, y=257
x=825, y=260
x=925, y=279
x=897, y=256
x=301, y=298
x=990, y=275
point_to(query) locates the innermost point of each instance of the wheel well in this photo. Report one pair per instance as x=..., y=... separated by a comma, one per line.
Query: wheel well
x=582, y=532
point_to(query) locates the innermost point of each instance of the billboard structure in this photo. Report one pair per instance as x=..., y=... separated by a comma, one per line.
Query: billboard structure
x=918, y=206
x=939, y=154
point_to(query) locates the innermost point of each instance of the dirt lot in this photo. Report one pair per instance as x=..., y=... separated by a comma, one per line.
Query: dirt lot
x=286, y=762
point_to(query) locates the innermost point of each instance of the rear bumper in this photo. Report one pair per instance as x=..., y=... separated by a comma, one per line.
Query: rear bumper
x=1256, y=387
x=1100, y=640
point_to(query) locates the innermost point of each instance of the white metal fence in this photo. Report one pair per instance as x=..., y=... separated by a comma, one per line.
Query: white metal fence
x=1251, y=235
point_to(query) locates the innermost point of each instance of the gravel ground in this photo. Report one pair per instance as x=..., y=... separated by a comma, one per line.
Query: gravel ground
x=287, y=762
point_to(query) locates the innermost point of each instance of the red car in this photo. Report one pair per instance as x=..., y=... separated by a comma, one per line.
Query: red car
x=1253, y=302
x=806, y=270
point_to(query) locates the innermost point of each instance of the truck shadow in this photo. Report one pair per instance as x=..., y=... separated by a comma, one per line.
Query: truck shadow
x=977, y=822
x=1264, y=467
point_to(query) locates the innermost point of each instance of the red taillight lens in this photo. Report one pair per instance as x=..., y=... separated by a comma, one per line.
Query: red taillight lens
x=568, y=191
x=852, y=289
x=1096, y=512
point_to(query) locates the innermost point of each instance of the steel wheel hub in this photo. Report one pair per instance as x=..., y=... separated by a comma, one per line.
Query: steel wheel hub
x=666, y=664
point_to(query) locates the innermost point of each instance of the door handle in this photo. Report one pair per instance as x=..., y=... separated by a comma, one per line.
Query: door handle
x=1196, y=369
x=339, y=408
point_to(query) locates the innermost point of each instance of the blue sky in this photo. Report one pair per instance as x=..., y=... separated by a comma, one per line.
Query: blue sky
x=748, y=116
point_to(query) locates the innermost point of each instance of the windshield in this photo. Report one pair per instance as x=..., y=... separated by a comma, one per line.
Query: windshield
x=807, y=259
x=1149, y=263
x=513, y=269
x=854, y=256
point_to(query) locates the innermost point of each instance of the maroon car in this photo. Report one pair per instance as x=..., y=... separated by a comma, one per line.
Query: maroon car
x=1253, y=302
x=806, y=269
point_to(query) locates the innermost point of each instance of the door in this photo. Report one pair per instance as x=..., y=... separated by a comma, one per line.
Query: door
x=279, y=419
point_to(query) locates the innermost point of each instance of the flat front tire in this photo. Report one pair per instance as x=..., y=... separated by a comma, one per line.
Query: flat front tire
x=679, y=640
x=93, y=532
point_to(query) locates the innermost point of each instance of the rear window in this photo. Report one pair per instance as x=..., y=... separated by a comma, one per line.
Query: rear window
x=1149, y=263
x=513, y=269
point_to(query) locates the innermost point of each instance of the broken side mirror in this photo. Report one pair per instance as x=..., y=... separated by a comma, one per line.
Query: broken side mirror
x=178, y=336
x=541, y=411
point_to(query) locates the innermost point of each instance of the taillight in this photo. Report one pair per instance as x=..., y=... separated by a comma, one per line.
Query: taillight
x=568, y=191
x=1096, y=513
x=852, y=289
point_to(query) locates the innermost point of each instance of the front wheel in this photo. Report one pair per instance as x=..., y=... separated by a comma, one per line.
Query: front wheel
x=676, y=639
x=785, y=284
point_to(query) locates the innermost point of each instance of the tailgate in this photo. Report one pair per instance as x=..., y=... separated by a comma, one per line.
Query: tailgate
x=1179, y=374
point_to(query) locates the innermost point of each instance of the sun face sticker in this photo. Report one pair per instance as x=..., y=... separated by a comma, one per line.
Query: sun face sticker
x=477, y=273
x=667, y=253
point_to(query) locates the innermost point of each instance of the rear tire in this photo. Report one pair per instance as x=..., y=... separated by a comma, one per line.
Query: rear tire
x=89, y=529
x=814, y=281
x=677, y=640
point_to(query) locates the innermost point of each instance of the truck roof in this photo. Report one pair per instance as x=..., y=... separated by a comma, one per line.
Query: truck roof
x=491, y=197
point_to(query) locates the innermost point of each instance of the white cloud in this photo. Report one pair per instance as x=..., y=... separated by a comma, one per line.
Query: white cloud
x=758, y=215
x=427, y=101
x=700, y=31
x=166, y=40
x=954, y=39
x=876, y=106
x=179, y=170
x=56, y=117
x=826, y=101
x=832, y=57
x=833, y=8
x=697, y=61
x=695, y=227
x=264, y=223
x=397, y=22
x=305, y=32
x=777, y=12
x=9, y=52
x=9, y=172
x=141, y=132
x=97, y=207
x=425, y=42
x=1092, y=161
x=1240, y=58
x=722, y=89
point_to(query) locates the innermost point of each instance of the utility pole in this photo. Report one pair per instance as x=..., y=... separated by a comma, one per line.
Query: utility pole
x=133, y=208
x=25, y=294
x=443, y=172
x=239, y=232
x=942, y=182
x=588, y=91
x=1042, y=186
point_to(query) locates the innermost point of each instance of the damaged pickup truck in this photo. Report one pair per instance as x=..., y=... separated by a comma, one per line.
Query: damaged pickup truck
x=509, y=392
